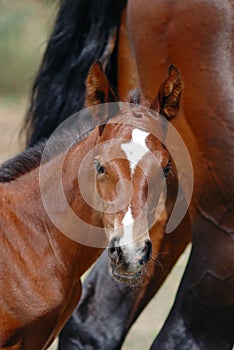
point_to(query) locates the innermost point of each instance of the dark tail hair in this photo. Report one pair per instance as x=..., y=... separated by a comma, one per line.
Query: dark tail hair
x=84, y=32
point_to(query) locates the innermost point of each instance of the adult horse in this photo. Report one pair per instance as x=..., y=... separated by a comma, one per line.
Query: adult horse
x=40, y=265
x=197, y=36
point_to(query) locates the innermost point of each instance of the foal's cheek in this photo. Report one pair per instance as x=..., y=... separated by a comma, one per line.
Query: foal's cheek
x=106, y=190
x=102, y=192
x=101, y=189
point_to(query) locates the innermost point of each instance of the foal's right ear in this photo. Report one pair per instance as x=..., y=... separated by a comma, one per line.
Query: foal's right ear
x=98, y=89
x=169, y=96
x=98, y=94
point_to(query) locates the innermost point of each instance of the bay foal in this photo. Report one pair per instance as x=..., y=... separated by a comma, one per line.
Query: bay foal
x=40, y=266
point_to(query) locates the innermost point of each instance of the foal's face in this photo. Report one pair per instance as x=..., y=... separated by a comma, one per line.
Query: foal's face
x=129, y=168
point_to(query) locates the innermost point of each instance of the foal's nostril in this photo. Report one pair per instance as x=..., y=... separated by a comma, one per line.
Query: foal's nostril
x=119, y=252
x=115, y=252
x=114, y=242
x=148, y=245
x=149, y=249
x=146, y=252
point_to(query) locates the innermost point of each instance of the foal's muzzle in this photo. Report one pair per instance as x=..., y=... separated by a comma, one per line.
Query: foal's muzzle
x=119, y=254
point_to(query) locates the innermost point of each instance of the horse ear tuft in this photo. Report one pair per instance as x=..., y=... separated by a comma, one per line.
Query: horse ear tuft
x=168, y=100
x=135, y=96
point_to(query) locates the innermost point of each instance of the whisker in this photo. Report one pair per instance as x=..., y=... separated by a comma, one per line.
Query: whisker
x=171, y=172
x=156, y=262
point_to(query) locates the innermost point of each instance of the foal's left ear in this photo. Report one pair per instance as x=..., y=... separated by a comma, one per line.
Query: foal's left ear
x=169, y=95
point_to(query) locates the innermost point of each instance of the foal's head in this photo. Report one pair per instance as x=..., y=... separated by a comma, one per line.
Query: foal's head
x=131, y=165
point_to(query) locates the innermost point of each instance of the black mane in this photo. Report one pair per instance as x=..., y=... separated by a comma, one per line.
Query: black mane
x=81, y=35
x=22, y=163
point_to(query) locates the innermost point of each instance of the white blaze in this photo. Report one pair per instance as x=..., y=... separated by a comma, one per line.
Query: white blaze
x=128, y=226
x=135, y=151
x=136, y=148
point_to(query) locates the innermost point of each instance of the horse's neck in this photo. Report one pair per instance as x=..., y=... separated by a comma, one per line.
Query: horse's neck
x=127, y=68
x=24, y=208
x=180, y=32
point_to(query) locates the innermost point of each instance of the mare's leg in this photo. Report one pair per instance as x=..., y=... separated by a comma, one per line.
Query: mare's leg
x=201, y=46
x=107, y=309
x=202, y=316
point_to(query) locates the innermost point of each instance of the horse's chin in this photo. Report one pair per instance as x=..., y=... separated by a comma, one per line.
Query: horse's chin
x=132, y=279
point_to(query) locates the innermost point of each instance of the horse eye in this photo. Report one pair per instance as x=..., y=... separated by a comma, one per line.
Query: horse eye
x=100, y=169
x=167, y=169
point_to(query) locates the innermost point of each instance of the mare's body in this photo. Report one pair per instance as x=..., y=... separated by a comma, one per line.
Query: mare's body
x=197, y=36
x=202, y=46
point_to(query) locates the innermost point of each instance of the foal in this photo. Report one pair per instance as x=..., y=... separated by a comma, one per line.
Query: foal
x=41, y=267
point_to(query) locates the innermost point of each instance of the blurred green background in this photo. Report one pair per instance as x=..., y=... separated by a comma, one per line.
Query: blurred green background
x=24, y=29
